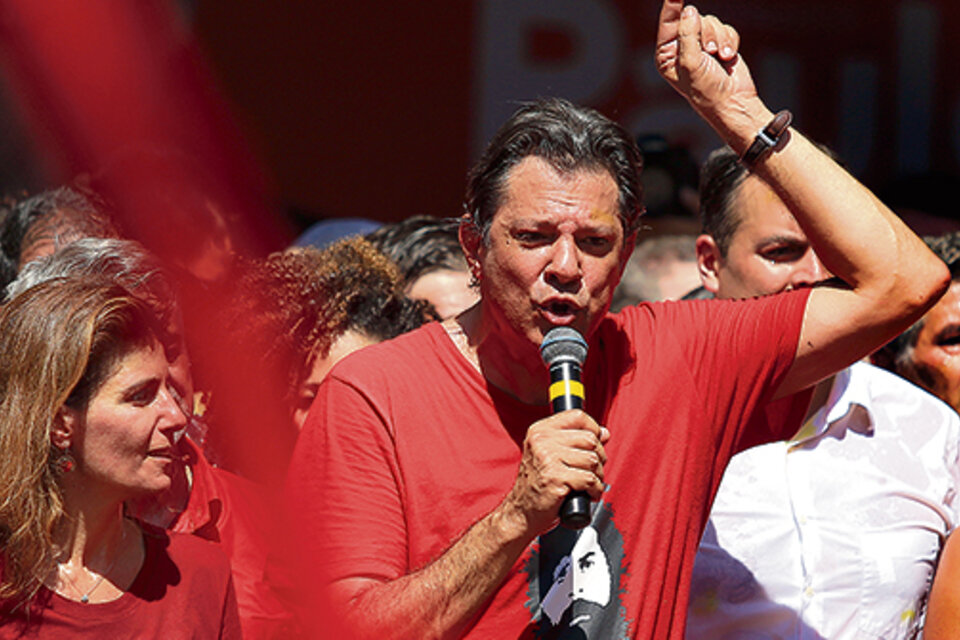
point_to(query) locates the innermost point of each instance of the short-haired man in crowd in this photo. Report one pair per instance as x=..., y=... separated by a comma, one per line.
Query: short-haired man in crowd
x=430, y=470
x=834, y=533
x=661, y=268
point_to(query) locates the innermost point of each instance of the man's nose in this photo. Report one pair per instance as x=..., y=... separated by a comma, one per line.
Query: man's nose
x=565, y=265
x=810, y=271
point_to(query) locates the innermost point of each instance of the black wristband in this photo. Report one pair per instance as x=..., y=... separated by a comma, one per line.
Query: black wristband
x=768, y=138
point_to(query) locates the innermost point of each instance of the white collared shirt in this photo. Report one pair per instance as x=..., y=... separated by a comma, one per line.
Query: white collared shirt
x=834, y=534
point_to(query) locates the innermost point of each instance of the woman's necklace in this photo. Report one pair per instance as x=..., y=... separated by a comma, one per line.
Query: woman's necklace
x=85, y=596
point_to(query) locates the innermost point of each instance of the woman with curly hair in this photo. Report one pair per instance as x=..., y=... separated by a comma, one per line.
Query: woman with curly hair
x=293, y=316
x=87, y=422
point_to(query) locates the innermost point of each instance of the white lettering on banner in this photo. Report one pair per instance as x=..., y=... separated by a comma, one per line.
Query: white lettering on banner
x=507, y=74
x=671, y=118
x=593, y=71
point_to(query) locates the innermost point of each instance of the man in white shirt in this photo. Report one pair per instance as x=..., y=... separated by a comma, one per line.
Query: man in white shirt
x=834, y=534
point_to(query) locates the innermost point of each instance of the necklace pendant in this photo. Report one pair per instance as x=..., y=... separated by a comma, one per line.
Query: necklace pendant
x=84, y=599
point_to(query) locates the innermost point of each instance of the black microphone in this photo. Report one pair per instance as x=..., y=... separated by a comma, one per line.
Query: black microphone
x=564, y=351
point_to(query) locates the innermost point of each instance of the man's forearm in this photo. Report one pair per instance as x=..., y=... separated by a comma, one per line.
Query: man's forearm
x=893, y=277
x=440, y=599
x=853, y=233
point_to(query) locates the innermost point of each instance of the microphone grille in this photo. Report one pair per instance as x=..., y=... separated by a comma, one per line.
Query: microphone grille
x=563, y=343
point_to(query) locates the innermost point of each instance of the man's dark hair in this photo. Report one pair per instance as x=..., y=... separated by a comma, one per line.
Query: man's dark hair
x=720, y=178
x=569, y=138
x=421, y=244
x=55, y=215
x=897, y=355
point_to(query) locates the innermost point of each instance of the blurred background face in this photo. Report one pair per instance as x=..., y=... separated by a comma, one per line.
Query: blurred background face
x=936, y=357
x=768, y=252
x=447, y=290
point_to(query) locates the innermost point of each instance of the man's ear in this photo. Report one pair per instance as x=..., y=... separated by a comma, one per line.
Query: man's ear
x=64, y=428
x=471, y=241
x=709, y=262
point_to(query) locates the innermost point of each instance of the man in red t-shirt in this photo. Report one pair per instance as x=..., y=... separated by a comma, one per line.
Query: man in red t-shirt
x=429, y=474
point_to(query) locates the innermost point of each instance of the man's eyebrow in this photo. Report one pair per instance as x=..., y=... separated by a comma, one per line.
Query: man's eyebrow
x=586, y=558
x=783, y=238
x=529, y=221
x=548, y=223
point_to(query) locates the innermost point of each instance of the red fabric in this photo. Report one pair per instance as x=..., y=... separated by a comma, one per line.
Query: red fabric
x=407, y=446
x=237, y=513
x=183, y=590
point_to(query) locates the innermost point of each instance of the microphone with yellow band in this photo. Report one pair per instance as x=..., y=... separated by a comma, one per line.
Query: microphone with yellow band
x=564, y=351
x=565, y=393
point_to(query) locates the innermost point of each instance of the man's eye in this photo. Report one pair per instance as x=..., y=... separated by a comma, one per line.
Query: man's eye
x=595, y=242
x=949, y=340
x=531, y=237
x=782, y=254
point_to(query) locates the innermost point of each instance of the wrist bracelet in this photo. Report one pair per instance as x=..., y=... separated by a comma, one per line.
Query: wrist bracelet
x=767, y=139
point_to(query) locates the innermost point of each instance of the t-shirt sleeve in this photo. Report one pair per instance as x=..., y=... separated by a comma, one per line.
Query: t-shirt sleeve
x=739, y=352
x=342, y=488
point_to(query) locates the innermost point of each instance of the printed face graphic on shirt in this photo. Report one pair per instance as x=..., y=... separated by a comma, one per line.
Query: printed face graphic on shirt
x=574, y=581
x=583, y=575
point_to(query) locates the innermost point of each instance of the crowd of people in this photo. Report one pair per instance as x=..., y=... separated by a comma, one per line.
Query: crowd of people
x=355, y=437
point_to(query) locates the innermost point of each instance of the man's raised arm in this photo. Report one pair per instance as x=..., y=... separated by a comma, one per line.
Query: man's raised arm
x=893, y=278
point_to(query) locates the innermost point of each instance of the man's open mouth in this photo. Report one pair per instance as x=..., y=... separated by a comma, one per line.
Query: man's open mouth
x=560, y=309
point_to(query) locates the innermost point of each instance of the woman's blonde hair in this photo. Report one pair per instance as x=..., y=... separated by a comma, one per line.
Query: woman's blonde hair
x=59, y=341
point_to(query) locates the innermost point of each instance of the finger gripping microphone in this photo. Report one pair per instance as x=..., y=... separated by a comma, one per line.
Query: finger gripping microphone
x=564, y=351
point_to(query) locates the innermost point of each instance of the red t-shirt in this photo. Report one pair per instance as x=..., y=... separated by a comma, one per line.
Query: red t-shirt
x=183, y=590
x=407, y=446
x=240, y=516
